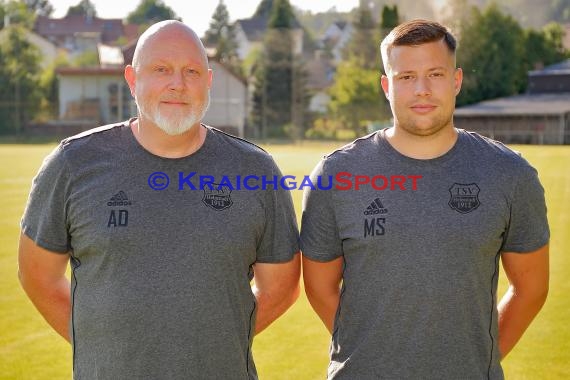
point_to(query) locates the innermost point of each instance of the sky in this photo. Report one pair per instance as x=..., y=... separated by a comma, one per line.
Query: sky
x=198, y=13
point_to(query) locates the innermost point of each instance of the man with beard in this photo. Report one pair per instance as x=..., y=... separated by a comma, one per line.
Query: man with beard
x=161, y=267
x=417, y=247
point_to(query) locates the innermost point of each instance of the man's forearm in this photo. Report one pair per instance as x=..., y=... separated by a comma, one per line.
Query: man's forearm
x=53, y=302
x=325, y=307
x=272, y=306
x=516, y=312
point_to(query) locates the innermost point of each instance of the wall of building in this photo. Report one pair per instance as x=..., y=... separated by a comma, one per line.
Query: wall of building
x=554, y=129
x=103, y=98
x=228, y=101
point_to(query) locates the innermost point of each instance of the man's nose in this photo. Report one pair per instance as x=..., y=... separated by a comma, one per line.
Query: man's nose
x=177, y=82
x=422, y=87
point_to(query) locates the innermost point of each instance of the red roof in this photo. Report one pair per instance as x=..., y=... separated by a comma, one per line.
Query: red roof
x=83, y=71
x=56, y=28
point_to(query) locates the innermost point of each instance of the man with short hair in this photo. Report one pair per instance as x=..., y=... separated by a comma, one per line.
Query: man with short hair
x=161, y=266
x=417, y=246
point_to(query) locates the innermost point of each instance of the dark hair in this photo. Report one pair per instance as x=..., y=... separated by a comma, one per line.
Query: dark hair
x=417, y=32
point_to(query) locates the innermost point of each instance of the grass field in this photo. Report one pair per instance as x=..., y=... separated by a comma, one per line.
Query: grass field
x=296, y=346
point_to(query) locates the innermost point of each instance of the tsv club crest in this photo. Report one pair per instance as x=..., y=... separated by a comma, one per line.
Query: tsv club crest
x=464, y=197
x=217, y=196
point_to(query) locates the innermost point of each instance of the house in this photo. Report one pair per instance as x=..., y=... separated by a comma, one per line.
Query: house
x=320, y=74
x=541, y=116
x=228, y=100
x=335, y=38
x=93, y=96
x=251, y=32
x=78, y=33
x=49, y=51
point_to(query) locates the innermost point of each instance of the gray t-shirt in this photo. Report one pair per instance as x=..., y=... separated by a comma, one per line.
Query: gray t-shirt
x=160, y=278
x=421, y=250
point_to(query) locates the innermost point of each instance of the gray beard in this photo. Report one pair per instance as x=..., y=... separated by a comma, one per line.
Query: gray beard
x=176, y=126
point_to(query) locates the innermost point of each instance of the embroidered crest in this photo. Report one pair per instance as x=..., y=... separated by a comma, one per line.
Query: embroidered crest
x=217, y=196
x=464, y=197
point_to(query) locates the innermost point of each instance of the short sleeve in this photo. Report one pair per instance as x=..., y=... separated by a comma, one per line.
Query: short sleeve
x=280, y=240
x=45, y=217
x=320, y=240
x=528, y=225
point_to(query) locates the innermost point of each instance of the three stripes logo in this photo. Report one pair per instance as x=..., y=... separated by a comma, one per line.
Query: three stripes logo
x=375, y=208
x=119, y=199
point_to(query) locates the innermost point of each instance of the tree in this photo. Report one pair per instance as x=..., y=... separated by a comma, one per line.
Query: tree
x=84, y=8
x=151, y=11
x=356, y=95
x=19, y=74
x=362, y=45
x=491, y=53
x=221, y=34
x=264, y=9
x=389, y=20
x=16, y=12
x=275, y=76
x=279, y=98
x=39, y=7
x=543, y=47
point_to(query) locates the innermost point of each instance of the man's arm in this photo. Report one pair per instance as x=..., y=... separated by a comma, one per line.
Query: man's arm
x=42, y=276
x=276, y=288
x=322, y=285
x=528, y=278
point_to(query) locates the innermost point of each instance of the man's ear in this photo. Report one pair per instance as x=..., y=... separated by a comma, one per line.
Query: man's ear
x=130, y=77
x=385, y=85
x=458, y=80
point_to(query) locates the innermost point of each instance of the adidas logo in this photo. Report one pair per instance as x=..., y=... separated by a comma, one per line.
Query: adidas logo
x=119, y=199
x=375, y=208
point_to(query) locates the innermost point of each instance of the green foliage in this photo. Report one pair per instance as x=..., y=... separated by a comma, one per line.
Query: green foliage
x=48, y=87
x=544, y=47
x=279, y=97
x=151, y=11
x=264, y=9
x=390, y=17
x=39, y=7
x=83, y=8
x=19, y=75
x=323, y=129
x=362, y=46
x=86, y=59
x=281, y=15
x=491, y=54
x=222, y=35
x=356, y=96
x=18, y=14
x=277, y=81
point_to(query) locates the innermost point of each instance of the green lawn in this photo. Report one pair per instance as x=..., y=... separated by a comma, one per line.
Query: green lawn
x=296, y=346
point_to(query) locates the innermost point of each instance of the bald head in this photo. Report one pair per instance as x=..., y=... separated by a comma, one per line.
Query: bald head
x=164, y=29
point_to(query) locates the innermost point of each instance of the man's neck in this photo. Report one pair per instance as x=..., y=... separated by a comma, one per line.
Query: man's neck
x=422, y=147
x=157, y=142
